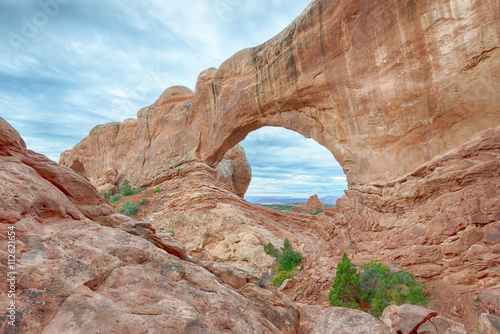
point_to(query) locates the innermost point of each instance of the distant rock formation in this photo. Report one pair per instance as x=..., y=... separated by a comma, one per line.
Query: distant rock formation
x=313, y=205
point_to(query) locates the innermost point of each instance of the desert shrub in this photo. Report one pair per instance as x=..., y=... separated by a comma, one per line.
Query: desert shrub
x=281, y=276
x=316, y=212
x=287, y=261
x=143, y=201
x=106, y=194
x=157, y=190
x=381, y=287
x=377, y=286
x=345, y=290
x=271, y=250
x=128, y=208
x=114, y=198
x=126, y=189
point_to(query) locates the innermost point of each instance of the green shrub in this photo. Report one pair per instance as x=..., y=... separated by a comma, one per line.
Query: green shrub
x=288, y=259
x=281, y=276
x=381, y=287
x=271, y=250
x=316, y=212
x=128, y=208
x=345, y=290
x=114, y=198
x=157, y=190
x=126, y=189
x=287, y=262
x=106, y=194
x=143, y=201
x=376, y=285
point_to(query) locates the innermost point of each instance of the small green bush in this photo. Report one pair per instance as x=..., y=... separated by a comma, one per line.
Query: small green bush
x=106, y=194
x=126, y=189
x=317, y=212
x=281, y=276
x=271, y=250
x=288, y=259
x=345, y=290
x=381, y=287
x=143, y=201
x=114, y=198
x=128, y=208
x=377, y=286
x=157, y=190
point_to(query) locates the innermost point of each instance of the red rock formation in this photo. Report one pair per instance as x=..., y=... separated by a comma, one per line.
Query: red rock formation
x=313, y=205
x=405, y=96
x=81, y=267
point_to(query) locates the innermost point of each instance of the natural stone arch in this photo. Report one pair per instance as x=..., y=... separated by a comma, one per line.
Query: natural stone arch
x=382, y=90
x=294, y=121
x=346, y=70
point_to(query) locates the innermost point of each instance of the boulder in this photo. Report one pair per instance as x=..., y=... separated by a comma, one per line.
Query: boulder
x=489, y=324
x=341, y=320
x=416, y=319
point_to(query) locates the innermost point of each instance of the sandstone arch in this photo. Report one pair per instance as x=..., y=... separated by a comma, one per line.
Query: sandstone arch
x=385, y=87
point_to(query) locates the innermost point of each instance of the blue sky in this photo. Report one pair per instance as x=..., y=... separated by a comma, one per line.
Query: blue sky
x=284, y=159
x=68, y=65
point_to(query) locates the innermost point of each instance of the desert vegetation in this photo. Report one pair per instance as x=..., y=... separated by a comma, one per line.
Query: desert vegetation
x=128, y=208
x=287, y=261
x=374, y=287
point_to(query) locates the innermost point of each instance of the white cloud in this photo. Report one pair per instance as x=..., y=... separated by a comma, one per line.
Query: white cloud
x=286, y=163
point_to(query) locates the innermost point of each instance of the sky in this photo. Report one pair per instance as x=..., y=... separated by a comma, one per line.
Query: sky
x=283, y=158
x=68, y=65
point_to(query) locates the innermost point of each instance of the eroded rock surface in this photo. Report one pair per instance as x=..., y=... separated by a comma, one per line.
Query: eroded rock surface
x=416, y=319
x=83, y=268
x=344, y=320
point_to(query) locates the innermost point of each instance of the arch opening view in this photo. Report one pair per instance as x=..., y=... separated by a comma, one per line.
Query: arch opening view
x=289, y=168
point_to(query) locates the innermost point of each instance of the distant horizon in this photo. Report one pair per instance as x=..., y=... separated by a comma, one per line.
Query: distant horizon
x=299, y=196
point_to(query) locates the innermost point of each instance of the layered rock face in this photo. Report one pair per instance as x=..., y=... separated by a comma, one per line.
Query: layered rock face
x=83, y=268
x=405, y=96
x=150, y=149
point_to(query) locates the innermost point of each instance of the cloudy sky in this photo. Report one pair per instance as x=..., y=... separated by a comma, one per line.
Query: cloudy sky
x=68, y=65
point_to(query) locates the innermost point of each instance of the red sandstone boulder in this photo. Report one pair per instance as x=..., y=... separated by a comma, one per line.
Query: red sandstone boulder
x=344, y=320
x=416, y=319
